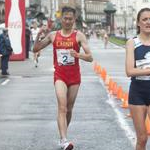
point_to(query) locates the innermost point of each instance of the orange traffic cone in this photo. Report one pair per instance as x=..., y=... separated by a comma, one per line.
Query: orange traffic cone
x=147, y=122
x=110, y=85
x=103, y=74
x=98, y=70
x=107, y=80
x=114, y=90
x=119, y=93
x=125, y=100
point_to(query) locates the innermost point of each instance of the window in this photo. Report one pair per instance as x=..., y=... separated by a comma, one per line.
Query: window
x=65, y=1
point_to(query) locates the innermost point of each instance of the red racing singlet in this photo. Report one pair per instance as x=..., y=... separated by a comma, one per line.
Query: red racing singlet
x=66, y=67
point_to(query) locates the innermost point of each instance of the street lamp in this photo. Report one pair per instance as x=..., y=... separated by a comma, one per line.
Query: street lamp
x=110, y=11
x=83, y=9
x=125, y=23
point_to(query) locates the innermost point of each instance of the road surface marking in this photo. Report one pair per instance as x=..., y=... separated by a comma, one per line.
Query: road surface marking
x=123, y=123
x=5, y=82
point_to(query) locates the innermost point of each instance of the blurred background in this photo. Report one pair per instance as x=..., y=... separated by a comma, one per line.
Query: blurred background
x=117, y=17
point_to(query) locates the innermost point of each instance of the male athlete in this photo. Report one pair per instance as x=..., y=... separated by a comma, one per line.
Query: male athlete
x=66, y=50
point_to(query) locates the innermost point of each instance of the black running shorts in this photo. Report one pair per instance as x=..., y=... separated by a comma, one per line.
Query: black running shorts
x=139, y=93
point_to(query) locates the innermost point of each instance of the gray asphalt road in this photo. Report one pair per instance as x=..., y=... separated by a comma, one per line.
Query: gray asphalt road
x=28, y=106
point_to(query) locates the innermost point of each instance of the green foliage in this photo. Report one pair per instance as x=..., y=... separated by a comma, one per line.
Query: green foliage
x=118, y=41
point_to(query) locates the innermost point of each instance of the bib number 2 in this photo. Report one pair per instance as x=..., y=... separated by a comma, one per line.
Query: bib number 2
x=64, y=57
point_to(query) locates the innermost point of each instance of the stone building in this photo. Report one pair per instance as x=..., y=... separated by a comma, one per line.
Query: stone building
x=2, y=11
x=94, y=10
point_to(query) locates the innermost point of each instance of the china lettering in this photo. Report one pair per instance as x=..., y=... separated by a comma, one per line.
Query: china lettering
x=64, y=43
x=15, y=24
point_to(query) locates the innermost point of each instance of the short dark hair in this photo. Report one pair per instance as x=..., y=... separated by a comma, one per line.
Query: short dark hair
x=139, y=15
x=5, y=30
x=68, y=9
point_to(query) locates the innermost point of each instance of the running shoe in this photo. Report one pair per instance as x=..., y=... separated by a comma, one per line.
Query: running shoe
x=65, y=145
x=36, y=63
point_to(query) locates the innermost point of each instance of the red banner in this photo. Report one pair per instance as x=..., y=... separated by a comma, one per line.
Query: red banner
x=15, y=22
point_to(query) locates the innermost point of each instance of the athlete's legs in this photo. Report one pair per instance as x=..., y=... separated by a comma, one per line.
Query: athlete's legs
x=71, y=96
x=138, y=113
x=61, y=93
x=148, y=111
x=36, y=55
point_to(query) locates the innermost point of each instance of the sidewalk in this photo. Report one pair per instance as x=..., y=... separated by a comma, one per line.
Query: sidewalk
x=27, y=67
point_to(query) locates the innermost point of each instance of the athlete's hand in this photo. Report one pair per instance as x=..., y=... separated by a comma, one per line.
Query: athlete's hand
x=73, y=53
x=41, y=31
x=41, y=35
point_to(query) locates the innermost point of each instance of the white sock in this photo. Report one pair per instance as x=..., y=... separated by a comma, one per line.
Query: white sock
x=63, y=140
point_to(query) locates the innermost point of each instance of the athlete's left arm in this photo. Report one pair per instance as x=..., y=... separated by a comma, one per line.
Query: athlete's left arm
x=87, y=56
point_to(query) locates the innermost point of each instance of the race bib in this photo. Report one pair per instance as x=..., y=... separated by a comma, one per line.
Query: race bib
x=143, y=64
x=64, y=57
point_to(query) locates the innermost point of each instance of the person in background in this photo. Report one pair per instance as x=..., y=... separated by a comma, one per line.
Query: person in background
x=5, y=51
x=34, y=31
x=105, y=38
x=28, y=39
x=45, y=30
x=67, y=78
x=138, y=68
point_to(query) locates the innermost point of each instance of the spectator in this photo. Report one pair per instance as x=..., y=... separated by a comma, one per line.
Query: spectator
x=28, y=38
x=34, y=32
x=5, y=51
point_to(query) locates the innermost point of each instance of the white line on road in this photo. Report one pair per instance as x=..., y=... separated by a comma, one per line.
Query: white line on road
x=5, y=82
x=123, y=123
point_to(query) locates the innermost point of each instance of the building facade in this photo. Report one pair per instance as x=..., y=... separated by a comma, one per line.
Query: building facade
x=51, y=7
x=127, y=11
x=94, y=12
x=73, y=3
x=2, y=11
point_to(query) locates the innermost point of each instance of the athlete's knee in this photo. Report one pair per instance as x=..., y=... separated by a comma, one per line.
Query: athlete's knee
x=69, y=108
x=142, y=139
x=63, y=109
x=69, y=111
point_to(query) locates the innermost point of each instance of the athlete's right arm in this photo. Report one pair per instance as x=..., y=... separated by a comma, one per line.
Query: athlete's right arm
x=131, y=70
x=40, y=44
